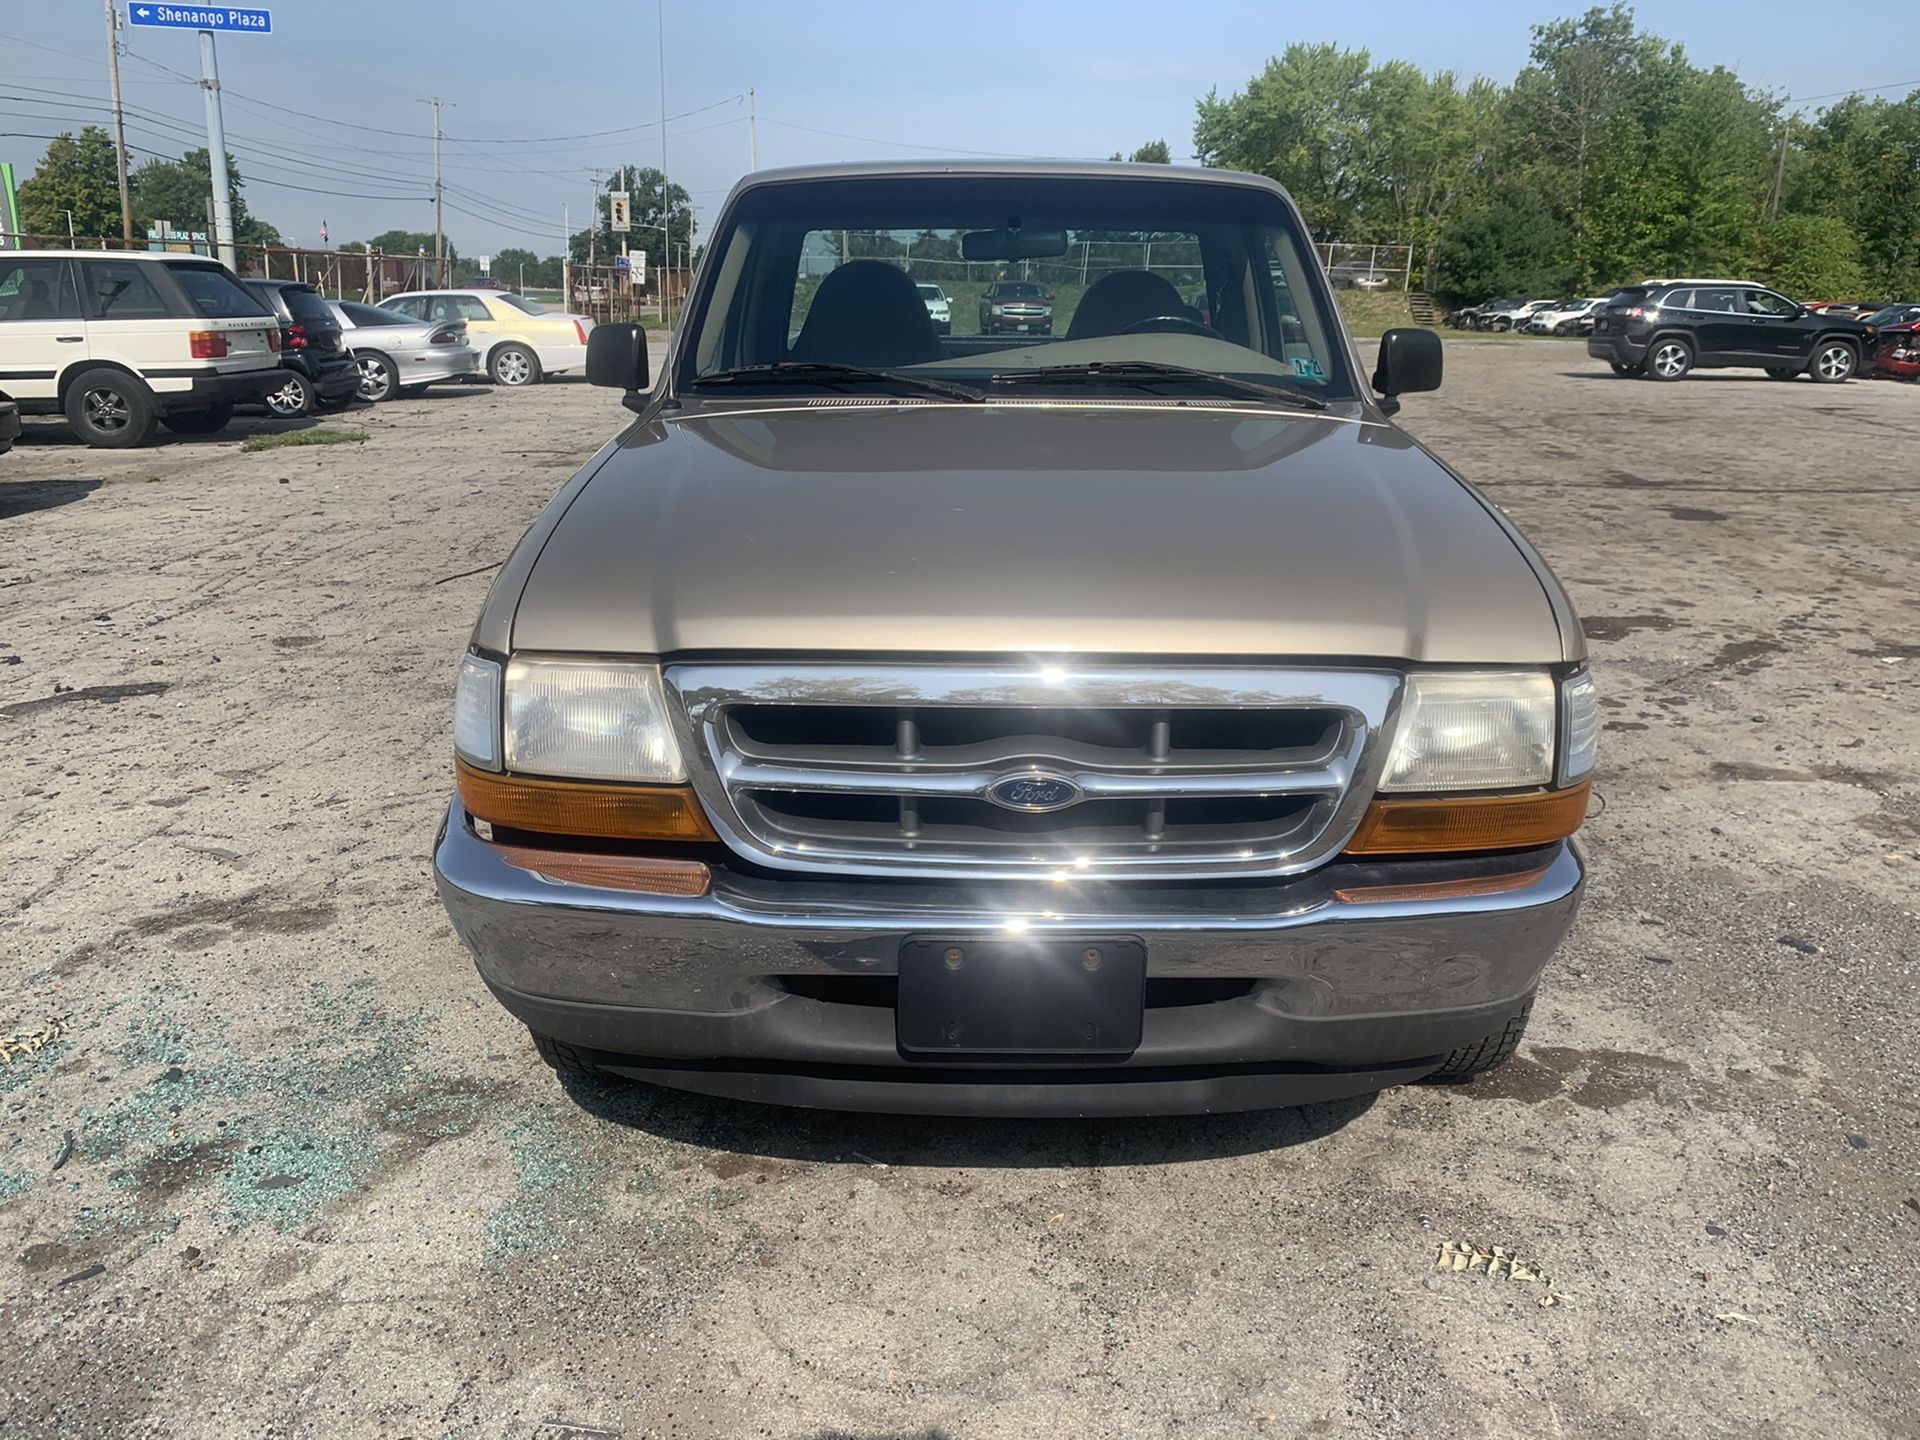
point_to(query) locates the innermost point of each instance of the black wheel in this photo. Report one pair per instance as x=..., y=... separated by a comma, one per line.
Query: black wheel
x=1834, y=362
x=295, y=396
x=111, y=410
x=1781, y=372
x=379, y=378
x=564, y=1059
x=1487, y=1053
x=210, y=421
x=1669, y=359
x=1624, y=371
x=514, y=365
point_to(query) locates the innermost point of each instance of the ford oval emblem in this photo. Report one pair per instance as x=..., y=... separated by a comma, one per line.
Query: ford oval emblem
x=1034, y=792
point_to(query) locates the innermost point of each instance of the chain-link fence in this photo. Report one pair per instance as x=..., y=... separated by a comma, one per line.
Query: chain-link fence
x=340, y=274
x=1366, y=267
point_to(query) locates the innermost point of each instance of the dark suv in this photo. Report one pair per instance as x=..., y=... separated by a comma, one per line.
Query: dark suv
x=1664, y=329
x=1015, y=307
x=316, y=366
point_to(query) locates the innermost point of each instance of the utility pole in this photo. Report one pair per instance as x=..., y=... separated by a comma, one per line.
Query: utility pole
x=1780, y=174
x=119, y=125
x=593, y=218
x=222, y=181
x=753, y=134
x=439, y=197
x=666, y=189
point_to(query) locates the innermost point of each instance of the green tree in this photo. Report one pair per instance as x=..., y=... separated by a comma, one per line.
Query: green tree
x=1154, y=152
x=179, y=192
x=1859, y=162
x=642, y=183
x=76, y=173
x=1299, y=122
x=1811, y=257
x=509, y=264
x=1510, y=244
x=411, y=242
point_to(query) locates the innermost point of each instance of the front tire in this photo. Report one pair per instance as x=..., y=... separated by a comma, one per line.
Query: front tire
x=1834, y=363
x=210, y=421
x=1489, y=1052
x=379, y=377
x=514, y=366
x=295, y=397
x=111, y=410
x=1669, y=360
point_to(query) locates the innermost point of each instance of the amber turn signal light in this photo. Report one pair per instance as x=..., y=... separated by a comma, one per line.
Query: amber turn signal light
x=577, y=807
x=1470, y=822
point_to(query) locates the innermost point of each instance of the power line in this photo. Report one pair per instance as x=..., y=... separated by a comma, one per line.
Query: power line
x=599, y=134
x=902, y=144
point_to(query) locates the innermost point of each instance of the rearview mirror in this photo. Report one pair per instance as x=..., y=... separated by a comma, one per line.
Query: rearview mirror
x=617, y=357
x=1410, y=361
x=1034, y=243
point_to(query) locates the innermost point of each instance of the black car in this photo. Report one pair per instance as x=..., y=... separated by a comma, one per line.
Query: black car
x=9, y=424
x=1665, y=329
x=1016, y=307
x=317, y=367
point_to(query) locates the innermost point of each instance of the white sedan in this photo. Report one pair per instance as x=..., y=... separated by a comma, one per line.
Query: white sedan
x=398, y=356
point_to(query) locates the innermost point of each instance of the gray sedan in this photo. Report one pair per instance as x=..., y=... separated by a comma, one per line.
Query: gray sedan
x=399, y=356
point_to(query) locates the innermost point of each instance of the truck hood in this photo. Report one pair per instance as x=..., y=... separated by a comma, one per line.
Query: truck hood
x=1030, y=528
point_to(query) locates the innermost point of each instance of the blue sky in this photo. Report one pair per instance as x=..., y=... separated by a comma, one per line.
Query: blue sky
x=888, y=77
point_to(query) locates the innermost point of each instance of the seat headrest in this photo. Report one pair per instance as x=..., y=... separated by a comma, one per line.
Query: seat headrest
x=1123, y=298
x=867, y=312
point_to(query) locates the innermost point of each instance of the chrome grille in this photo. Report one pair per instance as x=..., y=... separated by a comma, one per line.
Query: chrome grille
x=892, y=769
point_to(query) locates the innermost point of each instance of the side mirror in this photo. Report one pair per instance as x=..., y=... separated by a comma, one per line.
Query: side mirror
x=1410, y=361
x=617, y=357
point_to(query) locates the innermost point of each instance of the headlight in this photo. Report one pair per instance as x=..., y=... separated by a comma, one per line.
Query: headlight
x=590, y=720
x=476, y=713
x=1473, y=731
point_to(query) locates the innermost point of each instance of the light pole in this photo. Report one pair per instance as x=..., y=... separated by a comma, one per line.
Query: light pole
x=69, y=215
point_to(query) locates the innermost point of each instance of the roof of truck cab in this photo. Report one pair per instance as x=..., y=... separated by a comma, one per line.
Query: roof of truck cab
x=1009, y=169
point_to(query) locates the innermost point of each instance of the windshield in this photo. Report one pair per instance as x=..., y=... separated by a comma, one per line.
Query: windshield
x=1209, y=277
x=1892, y=315
x=521, y=303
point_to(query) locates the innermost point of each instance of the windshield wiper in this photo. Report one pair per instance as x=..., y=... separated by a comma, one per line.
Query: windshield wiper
x=1148, y=372
x=827, y=372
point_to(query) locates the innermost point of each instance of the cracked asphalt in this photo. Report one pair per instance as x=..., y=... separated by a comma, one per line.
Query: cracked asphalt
x=272, y=1163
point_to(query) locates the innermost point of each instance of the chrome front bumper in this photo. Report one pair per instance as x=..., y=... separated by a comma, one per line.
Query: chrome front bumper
x=1356, y=982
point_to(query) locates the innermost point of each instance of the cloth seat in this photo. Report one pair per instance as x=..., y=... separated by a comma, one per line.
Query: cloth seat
x=1123, y=298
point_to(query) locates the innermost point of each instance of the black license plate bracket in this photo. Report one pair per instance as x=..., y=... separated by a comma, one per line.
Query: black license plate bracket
x=970, y=996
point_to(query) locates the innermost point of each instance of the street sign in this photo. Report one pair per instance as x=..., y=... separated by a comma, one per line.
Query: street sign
x=486, y=264
x=620, y=263
x=640, y=268
x=620, y=209
x=217, y=18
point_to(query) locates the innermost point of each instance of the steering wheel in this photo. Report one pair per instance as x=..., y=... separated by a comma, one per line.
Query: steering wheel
x=1171, y=325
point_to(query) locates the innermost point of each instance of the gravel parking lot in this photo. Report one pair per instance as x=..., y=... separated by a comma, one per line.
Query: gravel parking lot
x=283, y=1167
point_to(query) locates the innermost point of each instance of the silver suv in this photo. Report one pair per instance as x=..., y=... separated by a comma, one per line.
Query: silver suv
x=1131, y=721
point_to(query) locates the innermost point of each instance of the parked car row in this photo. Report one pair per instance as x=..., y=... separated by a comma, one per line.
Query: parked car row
x=1537, y=317
x=124, y=342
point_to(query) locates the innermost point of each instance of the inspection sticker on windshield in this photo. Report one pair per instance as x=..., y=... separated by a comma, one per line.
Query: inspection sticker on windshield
x=1308, y=368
